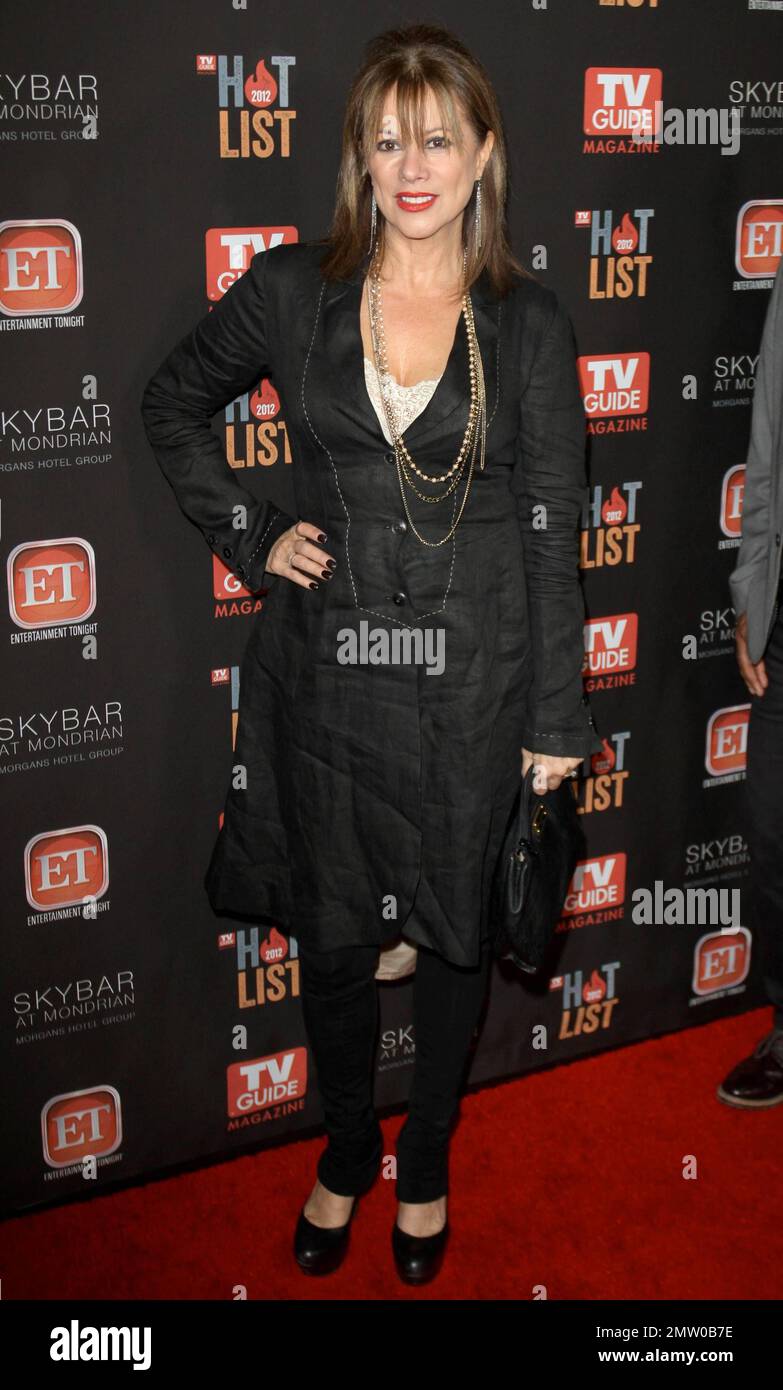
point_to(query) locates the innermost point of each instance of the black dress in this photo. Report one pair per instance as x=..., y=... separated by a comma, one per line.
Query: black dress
x=377, y=794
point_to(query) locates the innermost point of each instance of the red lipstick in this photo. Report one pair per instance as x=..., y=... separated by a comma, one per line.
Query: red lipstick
x=415, y=202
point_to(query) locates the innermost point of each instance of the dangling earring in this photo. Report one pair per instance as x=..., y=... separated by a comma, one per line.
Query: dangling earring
x=373, y=220
x=478, y=215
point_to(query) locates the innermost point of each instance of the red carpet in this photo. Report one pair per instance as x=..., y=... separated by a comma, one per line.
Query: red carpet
x=571, y=1178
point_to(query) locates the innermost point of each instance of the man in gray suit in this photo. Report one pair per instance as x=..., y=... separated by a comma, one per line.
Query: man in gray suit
x=755, y=584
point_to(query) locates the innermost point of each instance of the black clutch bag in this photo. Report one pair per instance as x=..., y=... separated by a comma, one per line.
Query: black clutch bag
x=541, y=846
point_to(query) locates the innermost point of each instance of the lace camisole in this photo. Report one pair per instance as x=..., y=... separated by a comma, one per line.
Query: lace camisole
x=408, y=401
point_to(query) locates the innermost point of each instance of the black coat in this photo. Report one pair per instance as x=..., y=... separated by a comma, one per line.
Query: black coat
x=377, y=794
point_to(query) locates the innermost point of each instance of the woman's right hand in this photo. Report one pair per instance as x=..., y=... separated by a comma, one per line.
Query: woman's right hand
x=295, y=556
x=754, y=674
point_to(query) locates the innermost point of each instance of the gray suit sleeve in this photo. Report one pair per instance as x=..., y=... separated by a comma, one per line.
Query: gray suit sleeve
x=754, y=549
x=226, y=354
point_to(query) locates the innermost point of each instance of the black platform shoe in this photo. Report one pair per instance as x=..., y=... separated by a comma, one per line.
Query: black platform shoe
x=418, y=1258
x=320, y=1249
x=757, y=1082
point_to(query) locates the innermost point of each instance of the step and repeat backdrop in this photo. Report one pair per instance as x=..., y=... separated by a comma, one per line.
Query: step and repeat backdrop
x=149, y=151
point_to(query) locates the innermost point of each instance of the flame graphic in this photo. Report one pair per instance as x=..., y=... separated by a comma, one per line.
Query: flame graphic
x=274, y=946
x=265, y=404
x=595, y=989
x=261, y=88
x=605, y=760
x=615, y=508
x=625, y=238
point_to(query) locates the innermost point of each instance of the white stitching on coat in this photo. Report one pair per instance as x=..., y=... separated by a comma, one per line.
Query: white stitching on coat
x=278, y=513
x=376, y=612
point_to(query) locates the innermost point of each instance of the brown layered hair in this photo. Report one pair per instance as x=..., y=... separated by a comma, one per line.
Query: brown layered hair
x=413, y=59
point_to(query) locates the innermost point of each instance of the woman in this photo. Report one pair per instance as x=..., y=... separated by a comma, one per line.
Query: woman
x=430, y=394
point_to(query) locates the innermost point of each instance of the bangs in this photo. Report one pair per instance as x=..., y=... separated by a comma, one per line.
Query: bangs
x=412, y=91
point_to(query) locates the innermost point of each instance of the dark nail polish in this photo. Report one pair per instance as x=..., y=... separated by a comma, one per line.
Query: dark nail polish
x=332, y=564
x=312, y=585
x=326, y=574
x=321, y=537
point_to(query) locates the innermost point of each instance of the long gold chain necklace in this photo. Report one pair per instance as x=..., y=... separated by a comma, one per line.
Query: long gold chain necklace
x=475, y=430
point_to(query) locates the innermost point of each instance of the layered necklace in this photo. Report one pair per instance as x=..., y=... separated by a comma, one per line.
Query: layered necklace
x=474, y=438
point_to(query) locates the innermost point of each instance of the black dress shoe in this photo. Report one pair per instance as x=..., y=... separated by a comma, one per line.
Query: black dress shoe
x=418, y=1258
x=757, y=1082
x=320, y=1249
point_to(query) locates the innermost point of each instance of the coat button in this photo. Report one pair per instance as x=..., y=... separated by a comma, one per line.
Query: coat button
x=400, y=598
x=241, y=571
x=400, y=526
x=389, y=458
x=227, y=551
x=777, y=538
x=211, y=540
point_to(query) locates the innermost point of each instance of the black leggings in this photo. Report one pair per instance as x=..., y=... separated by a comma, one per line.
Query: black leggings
x=339, y=996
